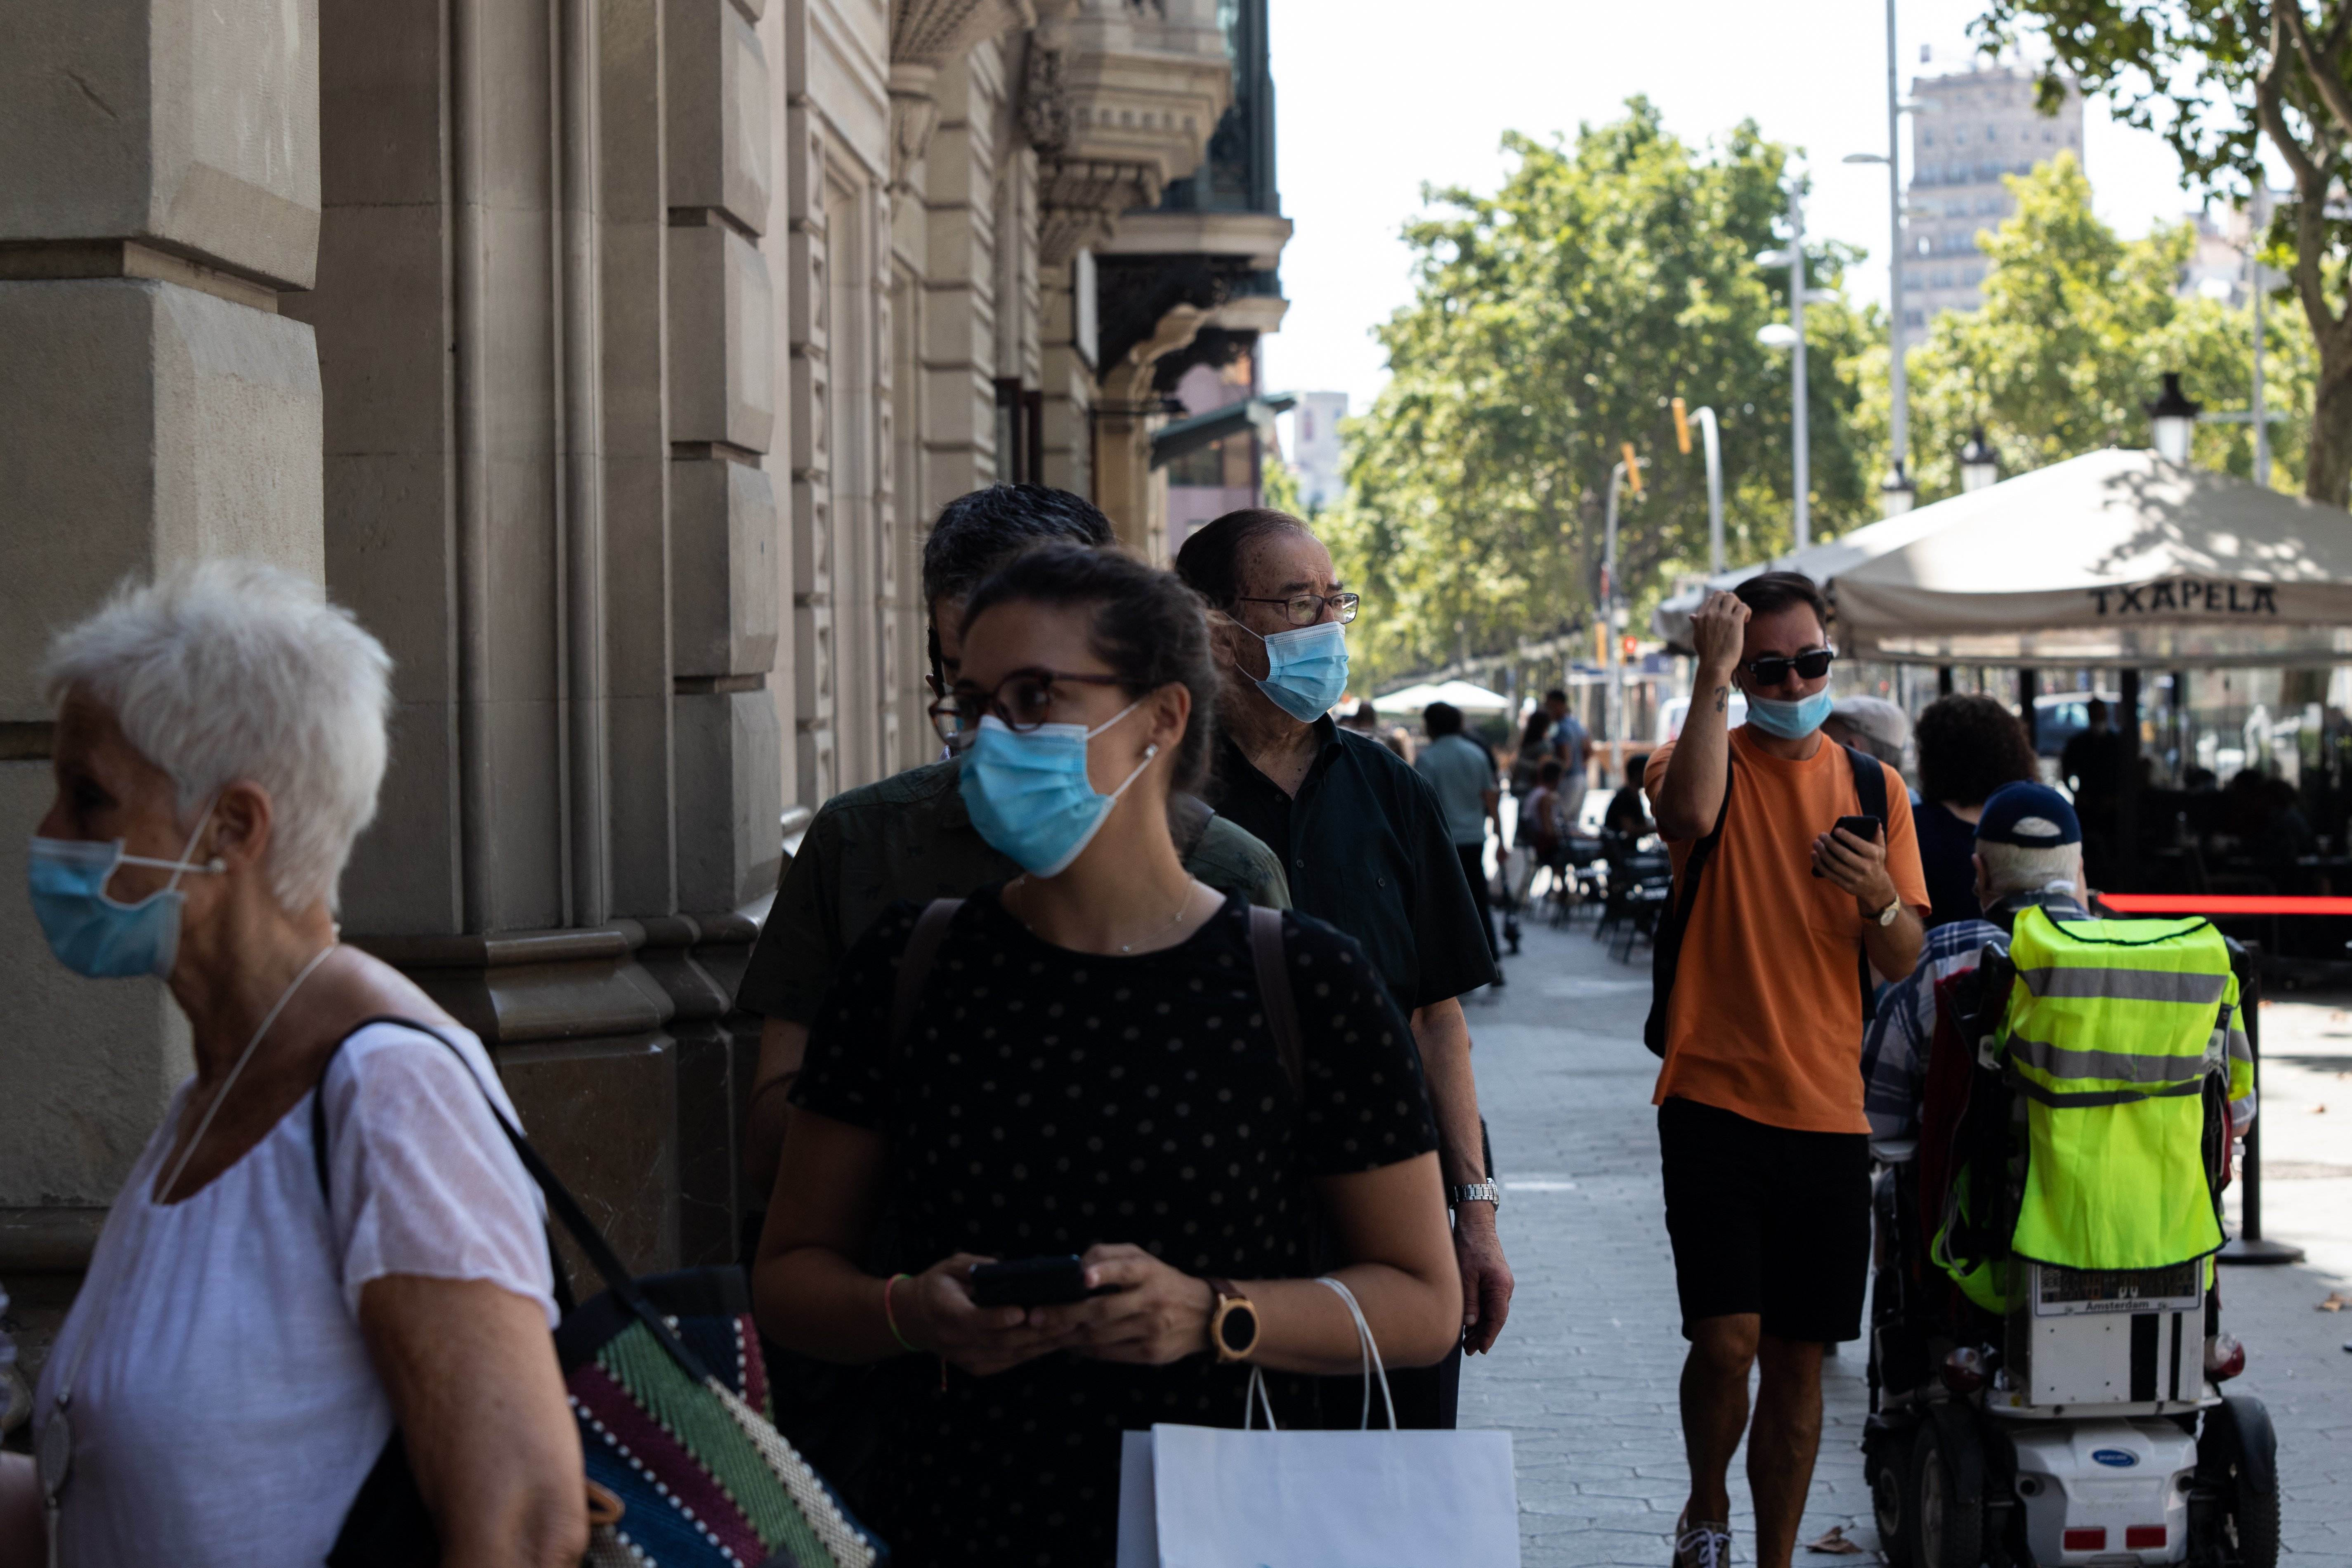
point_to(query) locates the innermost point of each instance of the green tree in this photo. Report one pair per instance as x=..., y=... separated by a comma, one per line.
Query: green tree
x=2217, y=78
x=2077, y=328
x=1551, y=322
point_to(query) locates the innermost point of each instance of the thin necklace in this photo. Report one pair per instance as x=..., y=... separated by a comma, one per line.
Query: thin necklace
x=1182, y=908
x=55, y=1456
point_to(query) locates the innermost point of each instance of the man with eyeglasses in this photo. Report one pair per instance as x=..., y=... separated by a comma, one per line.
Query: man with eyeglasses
x=909, y=836
x=1364, y=842
x=1763, y=1142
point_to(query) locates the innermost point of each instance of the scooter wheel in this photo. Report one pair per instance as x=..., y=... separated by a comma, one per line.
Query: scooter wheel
x=1946, y=1532
x=1885, y=1466
x=2249, y=1522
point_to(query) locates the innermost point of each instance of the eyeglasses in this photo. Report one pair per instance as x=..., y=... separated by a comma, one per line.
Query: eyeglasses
x=1305, y=609
x=1022, y=699
x=1773, y=669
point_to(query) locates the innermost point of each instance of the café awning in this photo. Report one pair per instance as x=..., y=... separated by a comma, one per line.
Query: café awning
x=2116, y=558
x=1462, y=694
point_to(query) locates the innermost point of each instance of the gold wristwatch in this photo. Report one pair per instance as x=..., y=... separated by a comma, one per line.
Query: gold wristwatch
x=1233, y=1322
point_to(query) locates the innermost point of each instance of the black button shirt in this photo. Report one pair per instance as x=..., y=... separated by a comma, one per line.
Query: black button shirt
x=1365, y=846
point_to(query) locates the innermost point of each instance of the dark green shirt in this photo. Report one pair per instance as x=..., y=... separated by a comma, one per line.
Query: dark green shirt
x=910, y=836
x=1365, y=846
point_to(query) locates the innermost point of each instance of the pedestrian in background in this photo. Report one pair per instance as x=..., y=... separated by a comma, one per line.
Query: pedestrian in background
x=263, y=1313
x=1573, y=745
x=1762, y=1138
x=1461, y=773
x=1089, y=1066
x=1872, y=724
x=1534, y=749
x=1628, y=812
x=1970, y=746
x=1365, y=845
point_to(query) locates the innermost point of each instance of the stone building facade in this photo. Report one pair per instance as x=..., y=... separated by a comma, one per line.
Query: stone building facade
x=608, y=358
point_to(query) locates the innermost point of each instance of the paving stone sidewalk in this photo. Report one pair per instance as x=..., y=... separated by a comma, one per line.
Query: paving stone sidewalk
x=1585, y=1375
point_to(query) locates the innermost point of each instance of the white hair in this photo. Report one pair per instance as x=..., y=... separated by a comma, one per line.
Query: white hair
x=226, y=671
x=2013, y=868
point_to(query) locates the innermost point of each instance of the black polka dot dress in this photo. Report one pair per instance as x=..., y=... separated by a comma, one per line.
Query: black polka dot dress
x=1045, y=1101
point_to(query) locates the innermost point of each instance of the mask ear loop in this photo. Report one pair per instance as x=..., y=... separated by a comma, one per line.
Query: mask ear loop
x=179, y=868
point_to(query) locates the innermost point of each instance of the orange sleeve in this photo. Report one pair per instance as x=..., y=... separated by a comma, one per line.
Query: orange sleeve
x=1903, y=844
x=1654, y=774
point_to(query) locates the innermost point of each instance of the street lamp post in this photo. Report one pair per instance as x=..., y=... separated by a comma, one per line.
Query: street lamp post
x=1706, y=418
x=1790, y=335
x=1613, y=698
x=2173, y=417
x=1979, y=464
x=1895, y=495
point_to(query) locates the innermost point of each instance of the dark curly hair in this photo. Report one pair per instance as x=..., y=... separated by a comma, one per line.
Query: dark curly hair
x=1970, y=745
x=1149, y=628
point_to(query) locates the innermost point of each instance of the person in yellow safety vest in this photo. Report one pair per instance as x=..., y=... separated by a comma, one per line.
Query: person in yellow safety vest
x=2108, y=1023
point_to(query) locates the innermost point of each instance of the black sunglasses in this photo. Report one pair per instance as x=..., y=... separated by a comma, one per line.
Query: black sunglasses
x=1773, y=669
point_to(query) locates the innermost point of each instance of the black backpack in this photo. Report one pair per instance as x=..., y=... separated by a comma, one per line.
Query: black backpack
x=1666, y=947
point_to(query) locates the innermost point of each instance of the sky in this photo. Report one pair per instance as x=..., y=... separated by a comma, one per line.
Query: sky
x=1376, y=97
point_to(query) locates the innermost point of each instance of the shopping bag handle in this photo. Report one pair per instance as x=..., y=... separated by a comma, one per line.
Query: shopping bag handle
x=1371, y=1357
x=1254, y=1396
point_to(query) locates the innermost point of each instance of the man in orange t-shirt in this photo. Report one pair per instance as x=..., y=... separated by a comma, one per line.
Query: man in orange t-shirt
x=1761, y=1134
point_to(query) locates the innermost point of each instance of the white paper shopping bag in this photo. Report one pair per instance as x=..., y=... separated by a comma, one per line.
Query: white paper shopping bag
x=1208, y=1496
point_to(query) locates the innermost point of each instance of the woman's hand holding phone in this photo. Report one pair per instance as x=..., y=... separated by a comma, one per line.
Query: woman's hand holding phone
x=936, y=1312
x=1151, y=1314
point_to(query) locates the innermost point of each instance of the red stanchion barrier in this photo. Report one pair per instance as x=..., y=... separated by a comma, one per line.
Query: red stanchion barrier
x=2224, y=904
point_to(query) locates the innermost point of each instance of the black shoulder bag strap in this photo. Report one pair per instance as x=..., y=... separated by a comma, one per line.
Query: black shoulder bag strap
x=1666, y=942
x=1273, y=992
x=1870, y=789
x=915, y=963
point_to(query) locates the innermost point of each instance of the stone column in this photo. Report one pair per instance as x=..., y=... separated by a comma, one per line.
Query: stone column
x=158, y=189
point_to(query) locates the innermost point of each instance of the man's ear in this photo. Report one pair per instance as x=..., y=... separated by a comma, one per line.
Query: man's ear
x=1223, y=636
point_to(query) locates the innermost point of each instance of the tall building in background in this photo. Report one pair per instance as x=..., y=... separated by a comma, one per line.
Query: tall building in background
x=1972, y=128
x=1315, y=448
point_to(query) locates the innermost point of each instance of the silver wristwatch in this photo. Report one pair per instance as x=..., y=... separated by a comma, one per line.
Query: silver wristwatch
x=1485, y=1191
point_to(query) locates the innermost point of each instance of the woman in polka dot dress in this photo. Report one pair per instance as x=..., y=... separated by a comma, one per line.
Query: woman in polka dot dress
x=1089, y=1069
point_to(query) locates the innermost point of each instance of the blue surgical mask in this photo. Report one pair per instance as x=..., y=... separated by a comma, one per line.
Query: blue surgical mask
x=1790, y=721
x=96, y=935
x=1305, y=670
x=1029, y=794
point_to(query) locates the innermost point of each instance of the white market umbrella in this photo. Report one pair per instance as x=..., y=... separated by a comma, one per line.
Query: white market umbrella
x=1463, y=694
x=2115, y=558
x=1820, y=561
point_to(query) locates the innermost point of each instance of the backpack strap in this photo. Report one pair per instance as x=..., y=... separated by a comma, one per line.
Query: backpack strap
x=1666, y=942
x=915, y=963
x=1273, y=992
x=1870, y=789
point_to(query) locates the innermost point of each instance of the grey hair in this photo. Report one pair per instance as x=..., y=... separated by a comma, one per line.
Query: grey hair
x=226, y=671
x=2011, y=869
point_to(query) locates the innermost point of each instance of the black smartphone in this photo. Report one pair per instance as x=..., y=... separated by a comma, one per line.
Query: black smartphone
x=1860, y=826
x=1030, y=1282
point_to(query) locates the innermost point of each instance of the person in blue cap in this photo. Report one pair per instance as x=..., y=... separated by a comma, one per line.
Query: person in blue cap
x=2028, y=851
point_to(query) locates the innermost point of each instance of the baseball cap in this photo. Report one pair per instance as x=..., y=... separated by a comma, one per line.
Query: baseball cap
x=2030, y=815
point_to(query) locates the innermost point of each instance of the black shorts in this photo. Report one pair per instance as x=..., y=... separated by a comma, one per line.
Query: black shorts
x=1766, y=1220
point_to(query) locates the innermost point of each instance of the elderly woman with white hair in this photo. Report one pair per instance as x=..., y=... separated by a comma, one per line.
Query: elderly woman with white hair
x=262, y=1313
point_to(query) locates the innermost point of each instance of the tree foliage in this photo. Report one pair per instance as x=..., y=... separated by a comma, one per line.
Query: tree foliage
x=2217, y=78
x=2077, y=328
x=1551, y=322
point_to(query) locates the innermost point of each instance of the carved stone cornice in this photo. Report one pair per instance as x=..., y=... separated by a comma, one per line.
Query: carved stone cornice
x=926, y=37
x=1119, y=98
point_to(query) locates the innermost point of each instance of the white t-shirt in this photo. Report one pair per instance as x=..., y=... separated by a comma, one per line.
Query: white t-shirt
x=227, y=1412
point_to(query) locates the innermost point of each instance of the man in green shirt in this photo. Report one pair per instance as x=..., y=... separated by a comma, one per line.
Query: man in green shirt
x=909, y=836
